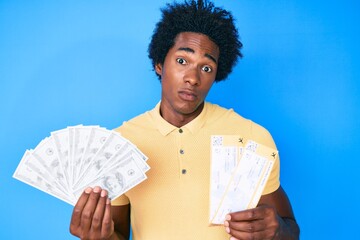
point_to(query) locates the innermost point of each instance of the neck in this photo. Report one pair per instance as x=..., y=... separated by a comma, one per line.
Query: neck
x=180, y=119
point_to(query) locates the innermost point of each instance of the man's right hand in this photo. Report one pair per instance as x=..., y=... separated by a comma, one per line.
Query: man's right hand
x=91, y=217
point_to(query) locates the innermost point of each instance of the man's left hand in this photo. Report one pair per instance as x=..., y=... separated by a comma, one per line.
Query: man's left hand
x=261, y=222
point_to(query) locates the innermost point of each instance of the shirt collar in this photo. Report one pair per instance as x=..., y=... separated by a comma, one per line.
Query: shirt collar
x=165, y=127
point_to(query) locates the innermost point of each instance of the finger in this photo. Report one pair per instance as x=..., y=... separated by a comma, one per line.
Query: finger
x=107, y=225
x=247, y=215
x=89, y=209
x=97, y=219
x=265, y=234
x=76, y=215
x=245, y=235
x=240, y=234
x=247, y=226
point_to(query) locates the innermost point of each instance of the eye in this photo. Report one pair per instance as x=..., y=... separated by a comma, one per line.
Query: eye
x=181, y=61
x=206, y=69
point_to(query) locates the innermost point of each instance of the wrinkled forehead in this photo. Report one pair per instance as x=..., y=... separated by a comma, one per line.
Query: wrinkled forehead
x=197, y=43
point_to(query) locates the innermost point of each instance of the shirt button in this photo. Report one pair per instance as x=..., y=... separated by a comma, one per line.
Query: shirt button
x=181, y=151
x=183, y=171
x=180, y=130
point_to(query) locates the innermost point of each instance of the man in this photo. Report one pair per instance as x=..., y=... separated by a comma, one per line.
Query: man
x=193, y=46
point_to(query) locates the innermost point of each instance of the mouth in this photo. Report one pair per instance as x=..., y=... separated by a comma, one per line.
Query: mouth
x=187, y=95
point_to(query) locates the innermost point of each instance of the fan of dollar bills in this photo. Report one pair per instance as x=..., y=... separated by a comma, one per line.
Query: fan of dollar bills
x=71, y=159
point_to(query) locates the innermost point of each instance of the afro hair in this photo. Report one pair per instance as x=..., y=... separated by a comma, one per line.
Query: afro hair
x=199, y=17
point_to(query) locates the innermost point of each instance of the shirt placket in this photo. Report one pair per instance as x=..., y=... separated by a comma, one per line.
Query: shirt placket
x=181, y=153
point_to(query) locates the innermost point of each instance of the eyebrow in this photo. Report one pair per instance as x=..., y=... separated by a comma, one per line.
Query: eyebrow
x=190, y=50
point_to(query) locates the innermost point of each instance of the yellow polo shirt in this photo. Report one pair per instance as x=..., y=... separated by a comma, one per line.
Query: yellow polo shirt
x=173, y=203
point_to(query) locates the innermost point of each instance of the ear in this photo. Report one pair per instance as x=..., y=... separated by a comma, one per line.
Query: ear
x=158, y=68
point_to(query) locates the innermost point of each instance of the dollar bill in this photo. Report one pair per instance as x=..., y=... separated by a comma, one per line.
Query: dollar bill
x=30, y=172
x=71, y=159
x=119, y=179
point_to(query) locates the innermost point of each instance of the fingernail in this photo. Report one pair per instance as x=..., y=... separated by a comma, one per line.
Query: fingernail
x=227, y=230
x=226, y=223
x=228, y=217
x=103, y=193
x=96, y=189
x=88, y=190
x=108, y=201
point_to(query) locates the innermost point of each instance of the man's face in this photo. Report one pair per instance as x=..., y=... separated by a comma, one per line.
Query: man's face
x=188, y=72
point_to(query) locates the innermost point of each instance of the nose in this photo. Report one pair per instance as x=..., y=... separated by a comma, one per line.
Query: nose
x=192, y=76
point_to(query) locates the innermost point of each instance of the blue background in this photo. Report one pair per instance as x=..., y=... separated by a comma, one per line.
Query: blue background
x=70, y=62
